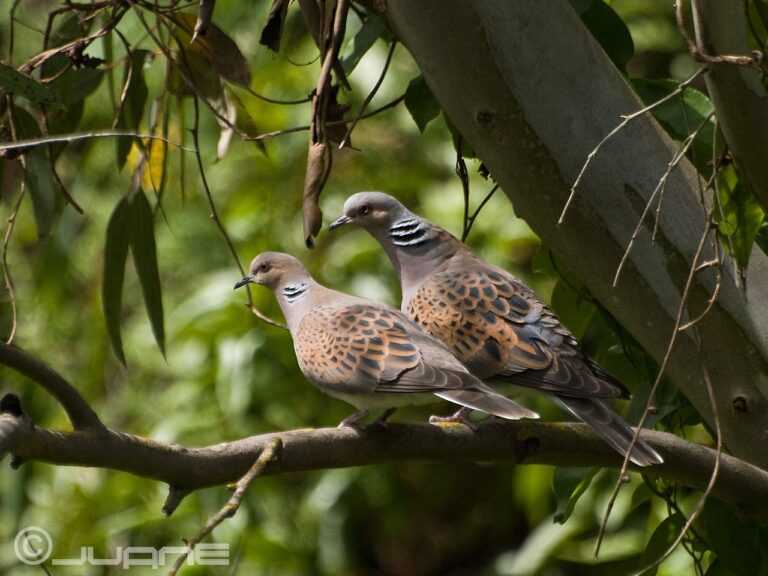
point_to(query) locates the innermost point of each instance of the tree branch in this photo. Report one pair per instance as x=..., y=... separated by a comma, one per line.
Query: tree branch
x=80, y=413
x=740, y=99
x=562, y=444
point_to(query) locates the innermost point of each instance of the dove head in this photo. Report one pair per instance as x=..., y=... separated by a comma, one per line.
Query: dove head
x=276, y=271
x=374, y=211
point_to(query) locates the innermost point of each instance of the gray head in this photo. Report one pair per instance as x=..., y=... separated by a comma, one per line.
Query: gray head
x=385, y=218
x=372, y=211
x=275, y=270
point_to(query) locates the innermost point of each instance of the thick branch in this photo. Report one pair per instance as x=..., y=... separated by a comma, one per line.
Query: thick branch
x=81, y=415
x=737, y=92
x=562, y=444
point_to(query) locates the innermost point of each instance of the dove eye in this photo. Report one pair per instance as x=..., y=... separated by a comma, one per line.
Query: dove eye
x=364, y=209
x=264, y=267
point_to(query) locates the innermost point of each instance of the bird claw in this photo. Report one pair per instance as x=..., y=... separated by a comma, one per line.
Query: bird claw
x=459, y=417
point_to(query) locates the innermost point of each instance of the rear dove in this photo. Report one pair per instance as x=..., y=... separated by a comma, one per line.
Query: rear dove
x=497, y=326
x=365, y=353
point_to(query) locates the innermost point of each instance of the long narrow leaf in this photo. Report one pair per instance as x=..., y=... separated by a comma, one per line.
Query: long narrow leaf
x=142, y=240
x=115, y=254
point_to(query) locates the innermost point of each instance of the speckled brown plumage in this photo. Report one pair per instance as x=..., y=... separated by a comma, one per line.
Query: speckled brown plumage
x=492, y=322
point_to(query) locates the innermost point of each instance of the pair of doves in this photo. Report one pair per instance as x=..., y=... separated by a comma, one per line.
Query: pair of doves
x=463, y=321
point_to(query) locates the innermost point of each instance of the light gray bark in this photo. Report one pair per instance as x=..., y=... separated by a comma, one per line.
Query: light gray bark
x=737, y=92
x=533, y=93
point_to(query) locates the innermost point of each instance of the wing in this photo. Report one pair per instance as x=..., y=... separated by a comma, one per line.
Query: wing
x=500, y=329
x=359, y=345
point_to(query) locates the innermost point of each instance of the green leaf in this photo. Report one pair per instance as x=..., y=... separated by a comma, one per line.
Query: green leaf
x=608, y=29
x=38, y=178
x=738, y=542
x=366, y=37
x=15, y=82
x=133, y=108
x=569, y=484
x=573, y=309
x=420, y=102
x=740, y=215
x=142, y=241
x=115, y=255
x=681, y=115
x=717, y=568
x=217, y=49
x=76, y=84
x=661, y=539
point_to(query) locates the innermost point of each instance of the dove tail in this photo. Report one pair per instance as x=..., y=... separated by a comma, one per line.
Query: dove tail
x=611, y=427
x=488, y=401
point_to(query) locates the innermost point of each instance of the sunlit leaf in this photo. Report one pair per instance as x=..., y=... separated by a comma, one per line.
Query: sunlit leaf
x=569, y=484
x=420, y=102
x=741, y=216
x=15, y=82
x=608, y=29
x=115, y=255
x=133, y=108
x=142, y=242
x=366, y=37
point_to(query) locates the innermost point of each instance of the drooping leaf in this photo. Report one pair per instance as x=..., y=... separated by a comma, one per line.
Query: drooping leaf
x=236, y=113
x=142, y=242
x=217, y=49
x=569, y=484
x=420, y=102
x=741, y=218
x=366, y=37
x=115, y=255
x=38, y=178
x=661, y=539
x=272, y=32
x=608, y=29
x=15, y=82
x=135, y=98
x=738, y=542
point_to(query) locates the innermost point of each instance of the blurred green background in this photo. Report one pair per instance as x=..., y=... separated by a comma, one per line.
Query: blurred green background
x=227, y=375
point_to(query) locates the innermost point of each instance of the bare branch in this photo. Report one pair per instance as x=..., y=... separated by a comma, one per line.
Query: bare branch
x=80, y=413
x=561, y=444
x=270, y=453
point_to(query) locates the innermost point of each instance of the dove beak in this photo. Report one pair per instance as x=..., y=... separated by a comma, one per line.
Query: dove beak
x=340, y=222
x=243, y=282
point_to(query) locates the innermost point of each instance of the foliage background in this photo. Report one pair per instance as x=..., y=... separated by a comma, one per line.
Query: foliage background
x=227, y=375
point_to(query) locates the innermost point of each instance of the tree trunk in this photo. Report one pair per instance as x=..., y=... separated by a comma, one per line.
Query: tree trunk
x=533, y=93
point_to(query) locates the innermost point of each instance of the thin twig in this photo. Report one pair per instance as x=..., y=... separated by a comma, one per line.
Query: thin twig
x=715, y=469
x=214, y=213
x=270, y=454
x=753, y=60
x=371, y=94
x=652, y=394
x=33, y=142
x=626, y=120
x=679, y=155
x=476, y=213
